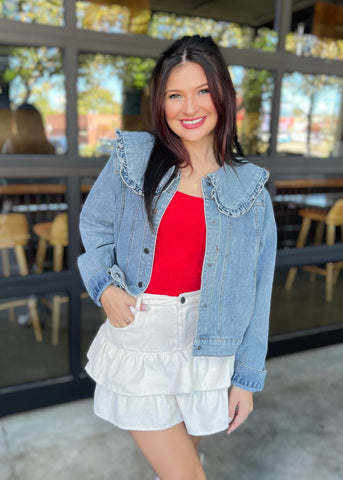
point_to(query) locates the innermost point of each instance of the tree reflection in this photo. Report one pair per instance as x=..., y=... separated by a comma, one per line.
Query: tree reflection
x=48, y=12
x=35, y=76
x=33, y=71
x=310, y=112
x=111, y=94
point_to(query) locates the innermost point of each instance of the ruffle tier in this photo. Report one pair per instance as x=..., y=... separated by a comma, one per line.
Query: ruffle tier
x=155, y=373
x=204, y=413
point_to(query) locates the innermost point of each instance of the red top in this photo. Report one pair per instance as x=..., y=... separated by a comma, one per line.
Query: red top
x=180, y=247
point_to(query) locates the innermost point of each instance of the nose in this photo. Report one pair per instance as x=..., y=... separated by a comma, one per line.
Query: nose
x=190, y=106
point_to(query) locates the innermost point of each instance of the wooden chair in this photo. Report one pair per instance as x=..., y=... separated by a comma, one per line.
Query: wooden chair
x=55, y=306
x=56, y=234
x=329, y=220
x=14, y=234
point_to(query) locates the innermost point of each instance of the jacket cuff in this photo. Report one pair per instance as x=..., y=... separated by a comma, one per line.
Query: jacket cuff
x=248, y=378
x=97, y=284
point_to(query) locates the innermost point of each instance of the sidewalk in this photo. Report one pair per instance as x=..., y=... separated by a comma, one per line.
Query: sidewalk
x=295, y=432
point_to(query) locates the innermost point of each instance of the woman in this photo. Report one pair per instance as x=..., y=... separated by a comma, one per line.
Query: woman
x=180, y=240
x=29, y=132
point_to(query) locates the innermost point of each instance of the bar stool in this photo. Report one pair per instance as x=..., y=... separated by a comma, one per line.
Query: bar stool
x=14, y=234
x=331, y=220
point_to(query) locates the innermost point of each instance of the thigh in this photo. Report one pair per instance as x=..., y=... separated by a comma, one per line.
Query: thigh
x=195, y=440
x=171, y=453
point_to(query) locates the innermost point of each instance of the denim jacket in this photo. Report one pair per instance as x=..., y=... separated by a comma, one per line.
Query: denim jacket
x=239, y=260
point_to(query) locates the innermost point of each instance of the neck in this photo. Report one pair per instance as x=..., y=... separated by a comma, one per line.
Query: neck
x=201, y=155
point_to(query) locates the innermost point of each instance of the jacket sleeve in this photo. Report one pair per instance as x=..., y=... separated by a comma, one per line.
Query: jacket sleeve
x=250, y=357
x=98, y=264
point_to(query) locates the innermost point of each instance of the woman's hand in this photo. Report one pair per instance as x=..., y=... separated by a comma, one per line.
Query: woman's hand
x=116, y=303
x=240, y=405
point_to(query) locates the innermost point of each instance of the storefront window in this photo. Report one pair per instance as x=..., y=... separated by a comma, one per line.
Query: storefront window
x=32, y=101
x=254, y=91
x=33, y=226
x=34, y=338
x=229, y=27
x=311, y=112
x=306, y=200
x=48, y=12
x=304, y=306
x=308, y=213
x=317, y=30
x=111, y=94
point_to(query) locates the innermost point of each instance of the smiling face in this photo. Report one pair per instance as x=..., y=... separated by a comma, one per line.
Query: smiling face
x=188, y=107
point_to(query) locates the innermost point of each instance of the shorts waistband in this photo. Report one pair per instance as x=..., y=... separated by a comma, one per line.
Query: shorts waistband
x=187, y=298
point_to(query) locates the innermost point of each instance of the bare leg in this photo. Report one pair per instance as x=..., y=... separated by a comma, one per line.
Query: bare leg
x=171, y=453
x=196, y=441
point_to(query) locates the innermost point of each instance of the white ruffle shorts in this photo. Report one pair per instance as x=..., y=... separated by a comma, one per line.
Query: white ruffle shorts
x=146, y=377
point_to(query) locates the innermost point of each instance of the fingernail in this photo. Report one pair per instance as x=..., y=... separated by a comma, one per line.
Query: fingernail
x=145, y=307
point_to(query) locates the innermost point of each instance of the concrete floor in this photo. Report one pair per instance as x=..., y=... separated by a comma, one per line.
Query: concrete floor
x=295, y=432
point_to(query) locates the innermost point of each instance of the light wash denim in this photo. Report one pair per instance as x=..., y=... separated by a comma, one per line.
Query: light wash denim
x=239, y=260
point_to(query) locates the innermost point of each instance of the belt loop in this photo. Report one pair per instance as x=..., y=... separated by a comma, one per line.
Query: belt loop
x=139, y=302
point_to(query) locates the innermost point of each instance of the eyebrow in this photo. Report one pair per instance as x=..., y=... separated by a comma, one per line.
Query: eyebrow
x=195, y=88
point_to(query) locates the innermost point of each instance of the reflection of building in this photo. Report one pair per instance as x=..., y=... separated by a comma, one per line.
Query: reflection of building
x=94, y=127
x=298, y=138
x=56, y=132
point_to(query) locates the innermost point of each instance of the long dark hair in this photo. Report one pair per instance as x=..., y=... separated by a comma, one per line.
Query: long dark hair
x=168, y=149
